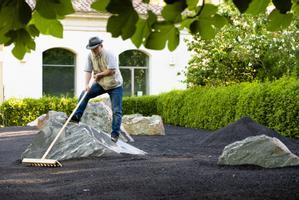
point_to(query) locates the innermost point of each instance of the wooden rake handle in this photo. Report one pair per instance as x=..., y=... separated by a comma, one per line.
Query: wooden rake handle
x=63, y=127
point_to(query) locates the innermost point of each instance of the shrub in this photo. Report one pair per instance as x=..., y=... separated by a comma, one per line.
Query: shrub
x=200, y=107
x=272, y=104
x=145, y=105
x=169, y=106
x=243, y=51
x=19, y=112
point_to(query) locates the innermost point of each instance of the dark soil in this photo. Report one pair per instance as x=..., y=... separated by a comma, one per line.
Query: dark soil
x=180, y=165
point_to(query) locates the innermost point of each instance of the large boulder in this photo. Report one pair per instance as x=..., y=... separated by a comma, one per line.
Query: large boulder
x=136, y=124
x=261, y=150
x=40, y=121
x=76, y=141
x=98, y=115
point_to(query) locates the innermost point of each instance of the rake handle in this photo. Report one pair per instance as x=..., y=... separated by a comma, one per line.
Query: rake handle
x=63, y=127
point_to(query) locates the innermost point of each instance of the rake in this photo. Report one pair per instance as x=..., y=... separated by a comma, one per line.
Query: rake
x=43, y=162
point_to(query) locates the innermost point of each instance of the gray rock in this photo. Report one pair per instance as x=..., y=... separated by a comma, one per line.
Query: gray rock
x=264, y=151
x=98, y=115
x=77, y=141
x=137, y=124
x=105, y=98
x=42, y=120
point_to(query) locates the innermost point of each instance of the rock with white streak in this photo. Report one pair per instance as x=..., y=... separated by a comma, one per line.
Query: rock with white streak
x=42, y=120
x=76, y=141
x=262, y=150
x=99, y=116
x=137, y=124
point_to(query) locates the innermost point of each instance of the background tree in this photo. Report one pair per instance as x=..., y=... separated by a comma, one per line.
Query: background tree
x=243, y=51
x=20, y=24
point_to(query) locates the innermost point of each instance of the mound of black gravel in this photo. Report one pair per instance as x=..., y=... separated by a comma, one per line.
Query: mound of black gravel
x=239, y=130
x=176, y=168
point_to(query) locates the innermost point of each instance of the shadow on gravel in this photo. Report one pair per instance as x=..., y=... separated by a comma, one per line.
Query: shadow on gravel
x=180, y=165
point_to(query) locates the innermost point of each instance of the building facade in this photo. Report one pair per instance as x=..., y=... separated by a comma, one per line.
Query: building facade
x=56, y=66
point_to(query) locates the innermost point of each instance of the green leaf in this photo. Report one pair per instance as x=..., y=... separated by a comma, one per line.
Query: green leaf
x=219, y=21
x=145, y=1
x=54, y=9
x=192, y=4
x=242, y=5
x=123, y=25
x=129, y=27
x=22, y=41
x=24, y=12
x=123, y=22
x=257, y=6
x=119, y=6
x=3, y=38
x=173, y=39
x=100, y=5
x=278, y=21
x=114, y=25
x=33, y=30
x=155, y=41
x=14, y=15
x=187, y=22
x=47, y=26
x=204, y=27
x=143, y=29
x=295, y=7
x=208, y=22
x=163, y=32
x=172, y=12
x=283, y=5
x=208, y=10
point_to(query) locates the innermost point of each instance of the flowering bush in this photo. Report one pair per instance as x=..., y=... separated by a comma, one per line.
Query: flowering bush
x=243, y=51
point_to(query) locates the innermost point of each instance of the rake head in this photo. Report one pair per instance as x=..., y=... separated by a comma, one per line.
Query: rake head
x=35, y=162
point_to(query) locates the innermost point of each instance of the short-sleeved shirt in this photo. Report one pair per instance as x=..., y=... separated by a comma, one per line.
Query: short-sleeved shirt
x=106, y=60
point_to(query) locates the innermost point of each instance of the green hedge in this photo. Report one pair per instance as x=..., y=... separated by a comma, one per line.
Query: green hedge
x=206, y=108
x=19, y=112
x=145, y=105
x=273, y=104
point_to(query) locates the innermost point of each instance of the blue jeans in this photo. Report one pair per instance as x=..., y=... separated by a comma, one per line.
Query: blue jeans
x=115, y=94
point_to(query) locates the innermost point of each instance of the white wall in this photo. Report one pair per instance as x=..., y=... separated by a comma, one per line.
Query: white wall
x=24, y=78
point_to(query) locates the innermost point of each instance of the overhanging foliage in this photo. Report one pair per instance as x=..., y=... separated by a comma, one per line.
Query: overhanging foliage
x=20, y=24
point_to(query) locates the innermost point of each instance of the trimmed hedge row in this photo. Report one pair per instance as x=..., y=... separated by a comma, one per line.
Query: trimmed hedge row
x=205, y=108
x=273, y=104
x=145, y=105
x=19, y=112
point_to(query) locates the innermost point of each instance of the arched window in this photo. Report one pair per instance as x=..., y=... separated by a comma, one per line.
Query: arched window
x=134, y=69
x=58, y=72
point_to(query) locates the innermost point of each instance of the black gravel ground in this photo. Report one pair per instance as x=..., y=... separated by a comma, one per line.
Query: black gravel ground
x=180, y=165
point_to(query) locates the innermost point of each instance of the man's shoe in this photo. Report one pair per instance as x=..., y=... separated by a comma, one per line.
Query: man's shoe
x=75, y=119
x=114, y=138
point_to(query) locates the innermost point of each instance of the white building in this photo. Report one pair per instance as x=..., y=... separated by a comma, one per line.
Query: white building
x=56, y=66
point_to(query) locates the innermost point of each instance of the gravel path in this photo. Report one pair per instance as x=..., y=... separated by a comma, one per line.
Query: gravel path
x=180, y=165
